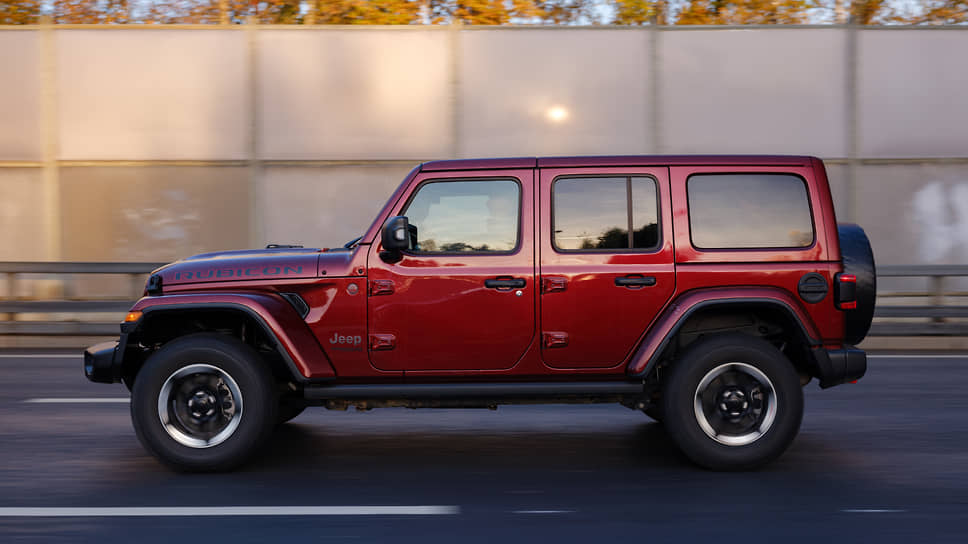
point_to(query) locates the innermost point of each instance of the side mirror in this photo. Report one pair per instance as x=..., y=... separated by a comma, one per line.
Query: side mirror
x=398, y=235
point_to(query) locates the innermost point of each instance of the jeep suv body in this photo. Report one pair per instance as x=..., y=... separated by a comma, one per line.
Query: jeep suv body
x=702, y=290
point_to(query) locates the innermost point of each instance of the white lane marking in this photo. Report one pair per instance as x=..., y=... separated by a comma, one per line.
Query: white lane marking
x=41, y=356
x=163, y=511
x=78, y=401
x=923, y=356
x=542, y=511
x=872, y=511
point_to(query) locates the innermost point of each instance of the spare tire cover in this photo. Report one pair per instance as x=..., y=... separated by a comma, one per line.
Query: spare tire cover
x=858, y=259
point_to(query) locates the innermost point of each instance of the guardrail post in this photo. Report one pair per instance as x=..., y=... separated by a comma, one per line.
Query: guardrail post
x=255, y=168
x=454, y=85
x=137, y=286
x=937, y=294
x=49, y=129
x=853, y=117
x=11, y=294
x=68, y=289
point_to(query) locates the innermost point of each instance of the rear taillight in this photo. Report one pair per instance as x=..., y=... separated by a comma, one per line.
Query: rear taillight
x=845, y=288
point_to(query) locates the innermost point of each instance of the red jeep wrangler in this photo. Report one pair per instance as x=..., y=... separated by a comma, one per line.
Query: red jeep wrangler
x=703, y=290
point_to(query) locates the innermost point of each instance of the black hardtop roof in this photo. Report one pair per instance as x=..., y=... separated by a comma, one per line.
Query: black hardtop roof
x=615, y=160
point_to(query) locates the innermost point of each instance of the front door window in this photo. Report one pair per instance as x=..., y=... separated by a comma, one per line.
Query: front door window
x=466, y=216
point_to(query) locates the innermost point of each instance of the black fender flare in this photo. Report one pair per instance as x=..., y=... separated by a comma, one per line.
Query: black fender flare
x=294, y=372
x=665, y=329
x=281, y=323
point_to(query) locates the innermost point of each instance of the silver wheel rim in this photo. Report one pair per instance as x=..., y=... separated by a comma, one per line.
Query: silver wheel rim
x=735, y=404
x=200, y=406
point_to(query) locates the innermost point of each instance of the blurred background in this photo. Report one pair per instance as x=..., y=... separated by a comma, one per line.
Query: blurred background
x=137, y=132
x=148, y=131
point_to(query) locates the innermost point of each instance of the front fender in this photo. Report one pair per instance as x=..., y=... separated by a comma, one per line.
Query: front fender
x=281, y=322
x=676, y=314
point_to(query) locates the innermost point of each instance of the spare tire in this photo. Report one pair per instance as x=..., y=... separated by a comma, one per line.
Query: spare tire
x=858, y=259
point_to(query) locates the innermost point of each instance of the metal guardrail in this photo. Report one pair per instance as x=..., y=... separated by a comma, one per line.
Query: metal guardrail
x=939, y=318
x=61, y=317
x=70, y=324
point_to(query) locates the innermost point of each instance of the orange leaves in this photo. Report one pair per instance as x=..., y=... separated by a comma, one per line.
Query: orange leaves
x=22, y=12
x=364, y=12
x=486, y=12
x=744, y=12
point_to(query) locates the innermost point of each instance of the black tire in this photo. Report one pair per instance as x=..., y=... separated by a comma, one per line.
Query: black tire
x=211, y=369
x=289, y=409
x=741, y=442
x=858, y=258
x=654, y=411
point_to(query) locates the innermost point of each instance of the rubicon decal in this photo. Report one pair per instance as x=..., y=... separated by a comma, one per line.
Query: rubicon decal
x=239, y=273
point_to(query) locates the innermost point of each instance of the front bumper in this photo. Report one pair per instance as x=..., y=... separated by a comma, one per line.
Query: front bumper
x=837, y=366
x=102, y=362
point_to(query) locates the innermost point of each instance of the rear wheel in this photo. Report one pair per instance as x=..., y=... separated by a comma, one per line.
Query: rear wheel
x=732, y=402
x=204, y=402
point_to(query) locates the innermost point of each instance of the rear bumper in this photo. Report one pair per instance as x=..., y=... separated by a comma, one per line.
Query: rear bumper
x=102, y=363
x=837, y=366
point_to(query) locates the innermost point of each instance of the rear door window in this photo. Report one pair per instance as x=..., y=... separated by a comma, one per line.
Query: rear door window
x=749, y=211
x=605, y=214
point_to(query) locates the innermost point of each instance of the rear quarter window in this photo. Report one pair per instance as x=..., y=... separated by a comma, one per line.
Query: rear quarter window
x=749, y=211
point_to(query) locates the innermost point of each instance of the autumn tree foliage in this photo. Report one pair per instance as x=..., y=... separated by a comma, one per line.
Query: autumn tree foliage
x=870, y=12
x=487, y=12
x=559, y=12
x=942, y=12
x=225, y=11
x=475, y=12
x=22, y=12
x=364, y=12
x=500, y=12
x=174, y=11
x=641, y=12
x=87, y=11
x=744, y=12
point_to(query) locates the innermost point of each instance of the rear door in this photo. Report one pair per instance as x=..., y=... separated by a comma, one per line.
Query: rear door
x=606, y=261
x=464, y=298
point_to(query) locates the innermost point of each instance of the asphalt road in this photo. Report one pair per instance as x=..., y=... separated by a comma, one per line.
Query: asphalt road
x=884, y=460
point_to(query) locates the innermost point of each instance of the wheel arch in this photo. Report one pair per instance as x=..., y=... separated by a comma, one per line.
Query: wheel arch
x=264, y=321
x=770, y=304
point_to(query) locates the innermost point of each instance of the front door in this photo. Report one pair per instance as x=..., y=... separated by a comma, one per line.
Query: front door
x=464, y=298
x=606, y=261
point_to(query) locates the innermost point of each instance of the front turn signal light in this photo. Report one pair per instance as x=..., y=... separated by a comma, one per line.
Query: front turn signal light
x=132, y=317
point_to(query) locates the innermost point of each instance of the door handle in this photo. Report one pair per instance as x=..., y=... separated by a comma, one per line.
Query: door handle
x=635, y=281
x=505, y=283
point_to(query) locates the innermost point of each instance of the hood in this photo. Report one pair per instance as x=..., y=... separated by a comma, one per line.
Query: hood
x=258, y=264
x=261, y=264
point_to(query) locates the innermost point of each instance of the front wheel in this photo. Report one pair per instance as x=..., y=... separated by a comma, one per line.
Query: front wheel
x=732, y=402
x=654, y=411
x=204, y=402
